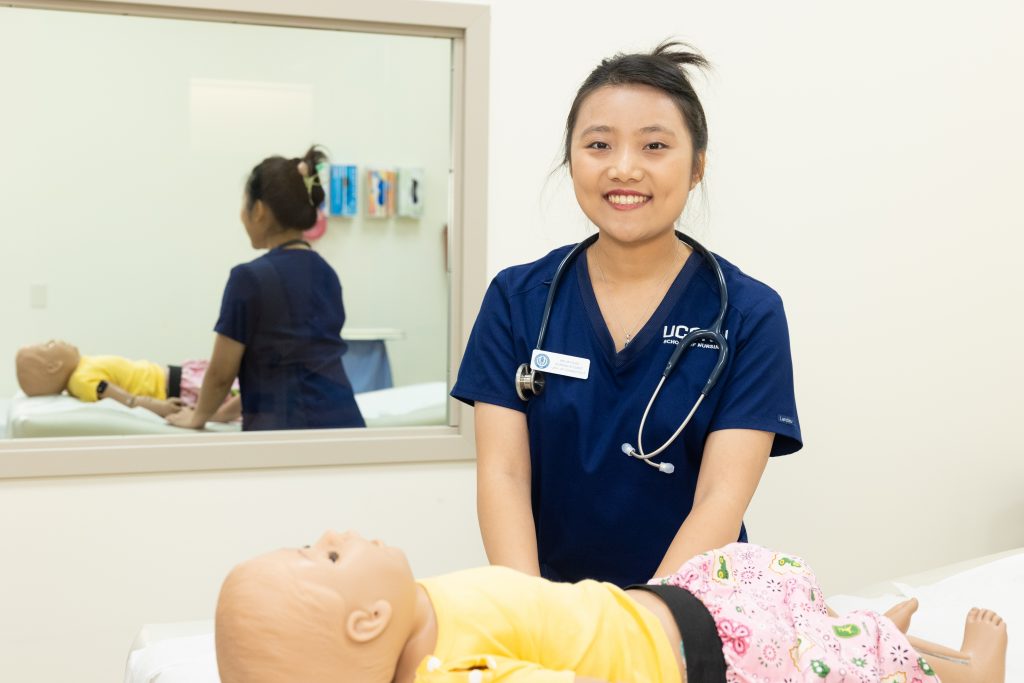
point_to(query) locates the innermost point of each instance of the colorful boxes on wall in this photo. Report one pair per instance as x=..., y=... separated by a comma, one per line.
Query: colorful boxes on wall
x=410, y=192
x=380, y=193
x=389, y=192
x=343, y=188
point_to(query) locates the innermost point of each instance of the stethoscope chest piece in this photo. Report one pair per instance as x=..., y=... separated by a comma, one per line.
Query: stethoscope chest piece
x=529, y=382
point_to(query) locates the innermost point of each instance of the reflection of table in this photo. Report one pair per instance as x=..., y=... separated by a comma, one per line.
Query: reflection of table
x=366, y=360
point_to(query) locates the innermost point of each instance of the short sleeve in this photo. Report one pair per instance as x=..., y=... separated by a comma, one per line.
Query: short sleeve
x=84, y=382
x=239, y=306
x=758, y=392
x=487, y=669
x=488, y=368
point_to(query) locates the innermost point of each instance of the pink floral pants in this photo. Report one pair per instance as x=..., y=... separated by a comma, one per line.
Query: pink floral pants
x=775, y=628
x=192, y=373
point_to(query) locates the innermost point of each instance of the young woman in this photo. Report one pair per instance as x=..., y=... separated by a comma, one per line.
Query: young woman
x=280, y=321
x=563, y=489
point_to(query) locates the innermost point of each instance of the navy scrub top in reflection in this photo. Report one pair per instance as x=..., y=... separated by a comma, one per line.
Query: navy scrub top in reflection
x=286, y=307
x=598, y=513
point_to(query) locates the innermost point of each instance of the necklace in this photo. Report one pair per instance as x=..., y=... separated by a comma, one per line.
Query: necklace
x=285, y=245
x=645, y=313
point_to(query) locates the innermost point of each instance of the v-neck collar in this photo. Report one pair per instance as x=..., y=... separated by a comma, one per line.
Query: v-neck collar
x=650, y=328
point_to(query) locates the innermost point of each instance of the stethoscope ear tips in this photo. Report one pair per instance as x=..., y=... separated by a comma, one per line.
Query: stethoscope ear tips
x=665, y=467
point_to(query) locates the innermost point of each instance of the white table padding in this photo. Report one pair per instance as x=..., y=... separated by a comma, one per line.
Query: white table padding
x=63, y=415
x=410, y=405
x=184, y=652
x=46, y=416
x=5, y=405
x=187, y=659
x=945, y=601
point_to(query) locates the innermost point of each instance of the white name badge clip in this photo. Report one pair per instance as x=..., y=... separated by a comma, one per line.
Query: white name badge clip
x=560, y=364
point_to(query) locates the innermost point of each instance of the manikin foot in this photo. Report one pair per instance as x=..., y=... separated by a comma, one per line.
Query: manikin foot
x=900, y=614
x=985, y=643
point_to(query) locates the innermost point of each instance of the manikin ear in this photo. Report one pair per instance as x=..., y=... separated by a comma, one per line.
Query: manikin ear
x=365, y=625
x=698, y=169
x=55, y=366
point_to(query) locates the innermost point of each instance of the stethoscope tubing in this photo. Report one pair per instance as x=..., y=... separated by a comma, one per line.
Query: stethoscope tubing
x=563, y=266
x=529, y=381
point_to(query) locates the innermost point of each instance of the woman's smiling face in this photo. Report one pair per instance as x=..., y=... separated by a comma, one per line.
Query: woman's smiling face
x=632, y=162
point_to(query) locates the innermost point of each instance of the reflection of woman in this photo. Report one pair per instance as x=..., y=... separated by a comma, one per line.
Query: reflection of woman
x=556, y=494
x=279, y=329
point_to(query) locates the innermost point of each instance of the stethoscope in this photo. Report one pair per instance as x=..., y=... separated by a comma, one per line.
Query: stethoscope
x=530, y=382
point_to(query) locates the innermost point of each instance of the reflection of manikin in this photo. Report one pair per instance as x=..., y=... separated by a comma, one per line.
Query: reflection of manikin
x=54, y=366
x=349, y=609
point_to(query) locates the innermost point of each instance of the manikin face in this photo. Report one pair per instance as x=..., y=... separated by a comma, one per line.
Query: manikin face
x=347, y=561
x=44, y=368
x=343, y=604
x=632, y=162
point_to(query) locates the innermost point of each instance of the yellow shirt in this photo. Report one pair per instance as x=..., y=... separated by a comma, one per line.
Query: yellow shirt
x=139, y=377
x=496, y=625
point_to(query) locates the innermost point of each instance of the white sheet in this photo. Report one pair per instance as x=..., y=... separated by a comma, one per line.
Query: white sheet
x=184, y=653
x=190, y=659
x=43, y=416
x=413, y=404
x=998, y=585
x=63, y=415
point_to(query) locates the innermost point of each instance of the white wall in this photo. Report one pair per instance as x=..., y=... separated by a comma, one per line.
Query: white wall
x=864, y=162
x=125, y=159
x=86, y=562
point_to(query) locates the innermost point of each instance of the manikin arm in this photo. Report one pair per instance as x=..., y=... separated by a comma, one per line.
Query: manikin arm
x=161, y=408
x=731, y=468
x=503, y=488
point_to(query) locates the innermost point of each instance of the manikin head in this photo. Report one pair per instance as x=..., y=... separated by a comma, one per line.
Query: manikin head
x=44, y=369
x=339, y=610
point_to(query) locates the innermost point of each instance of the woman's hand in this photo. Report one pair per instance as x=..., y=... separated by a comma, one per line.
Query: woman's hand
x=222, y=371
x=730, y=470
x=186, y=417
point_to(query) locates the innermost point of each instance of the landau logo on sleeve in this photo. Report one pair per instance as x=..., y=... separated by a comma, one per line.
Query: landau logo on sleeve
x=671, y=334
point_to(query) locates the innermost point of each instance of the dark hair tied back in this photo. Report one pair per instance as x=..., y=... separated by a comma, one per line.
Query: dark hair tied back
x=280, y=184
x=664, y=69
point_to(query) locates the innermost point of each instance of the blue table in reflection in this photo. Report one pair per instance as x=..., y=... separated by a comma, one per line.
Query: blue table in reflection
x=366, y=360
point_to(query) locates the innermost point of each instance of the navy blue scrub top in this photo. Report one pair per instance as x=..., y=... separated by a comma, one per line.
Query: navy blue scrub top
x=600, y=514
x=286, y=307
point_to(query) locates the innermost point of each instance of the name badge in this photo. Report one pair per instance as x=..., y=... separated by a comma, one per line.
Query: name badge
x=560, y=364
